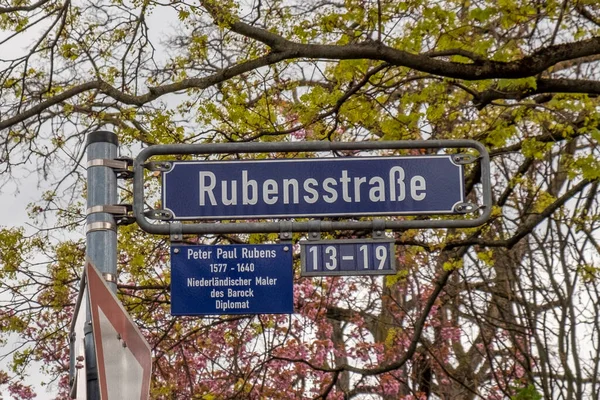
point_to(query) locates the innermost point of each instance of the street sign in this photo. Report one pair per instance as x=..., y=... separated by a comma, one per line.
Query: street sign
x=347, y=186
x=124, y=357
x=232, y=279
x=347, y=257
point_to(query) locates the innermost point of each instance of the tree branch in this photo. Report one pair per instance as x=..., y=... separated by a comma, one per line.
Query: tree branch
x=542, y=86
x=152, y=94
x=30, y=7
x=527, y=66
x=283, y=49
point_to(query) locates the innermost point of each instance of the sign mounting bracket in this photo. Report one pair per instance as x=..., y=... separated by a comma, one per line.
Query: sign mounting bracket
x=285, y=231
x=314, y=230
x=176, y=231
x=379, y=229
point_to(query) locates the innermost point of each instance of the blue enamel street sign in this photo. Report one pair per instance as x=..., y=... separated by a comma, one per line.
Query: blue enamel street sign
x=231, y=279
x=347, y=257
x=321, y=187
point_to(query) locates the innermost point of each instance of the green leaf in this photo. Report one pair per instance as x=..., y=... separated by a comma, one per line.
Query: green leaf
x=527, y=393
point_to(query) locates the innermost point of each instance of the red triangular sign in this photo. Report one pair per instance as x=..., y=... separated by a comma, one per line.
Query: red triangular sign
x=123, y=355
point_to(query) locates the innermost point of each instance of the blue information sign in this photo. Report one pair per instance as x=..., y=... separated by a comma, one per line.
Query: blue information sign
x=231, y=279
x=347, y=257
x=313, y=187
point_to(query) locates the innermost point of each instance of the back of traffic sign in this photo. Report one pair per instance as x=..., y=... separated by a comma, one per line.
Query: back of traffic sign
x=123, y=355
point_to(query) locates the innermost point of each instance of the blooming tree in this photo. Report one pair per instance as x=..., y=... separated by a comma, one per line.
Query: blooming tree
x=506, y=310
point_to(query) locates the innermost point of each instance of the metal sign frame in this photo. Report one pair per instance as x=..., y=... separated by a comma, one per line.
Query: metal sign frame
x=165, y=227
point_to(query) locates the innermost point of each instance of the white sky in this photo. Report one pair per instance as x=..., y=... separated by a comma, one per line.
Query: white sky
x=13, y=213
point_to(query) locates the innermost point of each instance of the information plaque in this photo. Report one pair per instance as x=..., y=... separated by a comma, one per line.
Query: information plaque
x=347, y=257
x=231, y=279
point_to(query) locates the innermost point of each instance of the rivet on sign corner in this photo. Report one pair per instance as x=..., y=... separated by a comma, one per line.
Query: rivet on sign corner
x=286, y=248
x=176, y=251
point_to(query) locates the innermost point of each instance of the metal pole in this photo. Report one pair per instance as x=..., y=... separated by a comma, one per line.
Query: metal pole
x=101, y=232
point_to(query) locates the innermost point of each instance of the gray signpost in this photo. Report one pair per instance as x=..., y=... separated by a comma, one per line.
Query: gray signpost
x=101, y=231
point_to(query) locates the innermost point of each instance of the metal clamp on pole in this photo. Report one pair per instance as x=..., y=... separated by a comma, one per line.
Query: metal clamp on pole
x=121, y=166
x=127, y=172
x=123, y=213
x=110, y=163
x=100, y=226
